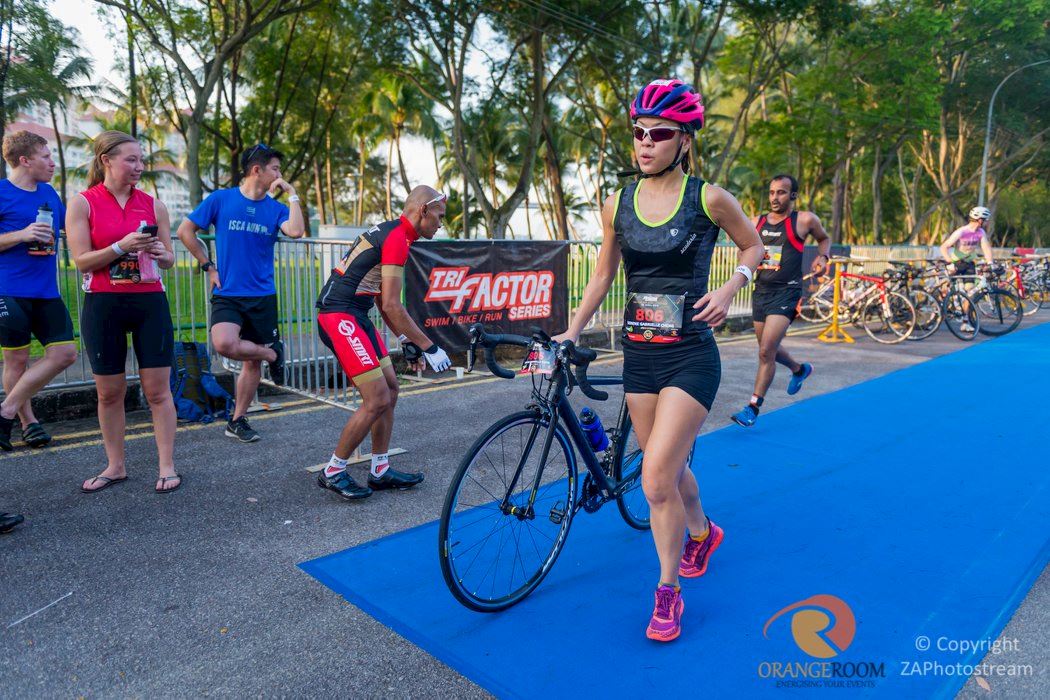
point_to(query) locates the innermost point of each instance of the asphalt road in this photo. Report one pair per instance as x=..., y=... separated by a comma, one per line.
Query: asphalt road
x=197, y=592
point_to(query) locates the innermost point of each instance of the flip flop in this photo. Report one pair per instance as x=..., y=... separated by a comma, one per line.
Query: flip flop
x=166, y=479
x=34, y=435
x=107, y=483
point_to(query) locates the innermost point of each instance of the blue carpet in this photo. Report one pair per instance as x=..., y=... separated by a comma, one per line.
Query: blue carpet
x=917, y=498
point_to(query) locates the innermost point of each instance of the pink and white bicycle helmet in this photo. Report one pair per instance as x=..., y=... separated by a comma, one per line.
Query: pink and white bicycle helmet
x=670, y=99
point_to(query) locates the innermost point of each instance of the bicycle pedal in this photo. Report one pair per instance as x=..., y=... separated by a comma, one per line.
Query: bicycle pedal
x=557, y=513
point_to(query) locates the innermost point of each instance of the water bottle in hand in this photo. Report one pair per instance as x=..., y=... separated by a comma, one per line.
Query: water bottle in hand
x=45, y=216
x=148, y=271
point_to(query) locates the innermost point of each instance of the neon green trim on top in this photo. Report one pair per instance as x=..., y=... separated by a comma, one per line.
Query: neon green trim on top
x=703, y=203
x=653, y=224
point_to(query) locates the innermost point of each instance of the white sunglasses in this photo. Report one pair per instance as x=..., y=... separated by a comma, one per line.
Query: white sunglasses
x=442, y=197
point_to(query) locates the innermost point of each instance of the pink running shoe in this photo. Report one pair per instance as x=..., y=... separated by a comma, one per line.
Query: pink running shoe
x=696, y=554
x=666, y=623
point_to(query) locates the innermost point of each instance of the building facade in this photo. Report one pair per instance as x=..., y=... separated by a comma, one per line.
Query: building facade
x=78, y=127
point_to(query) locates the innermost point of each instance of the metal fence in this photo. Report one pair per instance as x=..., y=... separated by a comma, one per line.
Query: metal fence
x=302, y=266
x=187, y=298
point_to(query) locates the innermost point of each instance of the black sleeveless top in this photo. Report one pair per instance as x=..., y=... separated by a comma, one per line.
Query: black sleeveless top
x=669, y=257
x=782, y=264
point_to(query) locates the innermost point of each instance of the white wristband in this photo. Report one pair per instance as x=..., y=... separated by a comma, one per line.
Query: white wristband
x=293, y=198
x=117, y=249
x=746, y=272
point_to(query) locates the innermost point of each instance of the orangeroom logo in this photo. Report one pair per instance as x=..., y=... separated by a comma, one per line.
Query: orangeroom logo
x=823, y=626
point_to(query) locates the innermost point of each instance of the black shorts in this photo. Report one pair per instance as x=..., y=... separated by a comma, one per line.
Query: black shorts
x=964, y=267
x=25, y=318
x=108, y=317
x=775, y=301
x=692, y=365
x=257, y=316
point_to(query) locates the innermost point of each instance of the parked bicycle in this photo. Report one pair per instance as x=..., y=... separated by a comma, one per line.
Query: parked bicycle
x=905, y=278
x=513, y=498
x=927, y=284
x=1028, y=278
x=885, y=315
x=998, y=308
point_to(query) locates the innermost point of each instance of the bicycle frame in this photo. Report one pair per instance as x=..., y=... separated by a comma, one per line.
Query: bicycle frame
x=1015, y=271
x=565, y=414
x=879, y=283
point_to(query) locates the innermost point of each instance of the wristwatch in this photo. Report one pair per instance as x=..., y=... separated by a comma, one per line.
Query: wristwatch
x=207, y=266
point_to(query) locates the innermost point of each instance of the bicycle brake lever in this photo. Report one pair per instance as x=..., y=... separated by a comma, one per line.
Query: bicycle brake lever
x=472, y=348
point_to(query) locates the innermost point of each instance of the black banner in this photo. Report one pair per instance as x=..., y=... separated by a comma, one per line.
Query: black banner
x=510, y=286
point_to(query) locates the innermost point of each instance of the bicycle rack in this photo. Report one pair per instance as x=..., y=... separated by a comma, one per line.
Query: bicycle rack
x=834, y=332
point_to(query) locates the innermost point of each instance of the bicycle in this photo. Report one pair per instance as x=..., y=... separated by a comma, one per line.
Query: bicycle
x=1028, y=280
x=953, y=308
x=998, y=310
x=886, y=316
x=517, y=485
x=905, y=278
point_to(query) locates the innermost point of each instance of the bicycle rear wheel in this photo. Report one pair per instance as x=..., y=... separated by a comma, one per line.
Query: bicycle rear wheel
x=1039, y=283
x=960, y=315
x=817, y=306
x=1029, y=302
x=999, y=311
x=498, y=539
x=627, y=470
x=888, y=319
x=928, y=314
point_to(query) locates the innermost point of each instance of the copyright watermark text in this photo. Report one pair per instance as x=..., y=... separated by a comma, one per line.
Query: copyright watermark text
x=966, y=646
x=935, y=668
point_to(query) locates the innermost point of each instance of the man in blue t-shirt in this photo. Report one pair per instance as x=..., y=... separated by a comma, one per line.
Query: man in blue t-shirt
x=247, y=221
x=30, y=305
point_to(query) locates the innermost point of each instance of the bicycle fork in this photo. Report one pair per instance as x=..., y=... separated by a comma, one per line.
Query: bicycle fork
x=528, y=512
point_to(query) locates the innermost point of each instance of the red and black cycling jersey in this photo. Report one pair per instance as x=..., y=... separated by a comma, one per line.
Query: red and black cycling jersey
x=782, y=264
x=357, y=280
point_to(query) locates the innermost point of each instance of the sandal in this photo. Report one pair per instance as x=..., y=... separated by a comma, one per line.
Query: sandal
x=165, y=479
x=34, y=435
x=107, y=482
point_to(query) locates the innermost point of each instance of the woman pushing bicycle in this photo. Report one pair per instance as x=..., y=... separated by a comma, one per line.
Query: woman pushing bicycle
x=665, y=226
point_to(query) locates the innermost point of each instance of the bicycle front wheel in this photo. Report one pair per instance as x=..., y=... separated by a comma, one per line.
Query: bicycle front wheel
x=1000, y=311
x=960, y=315
x=888, y=318
x=507, y=513
x=627, y=471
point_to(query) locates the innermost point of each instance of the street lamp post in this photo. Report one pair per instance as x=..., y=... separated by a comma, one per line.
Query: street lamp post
x=988, y=131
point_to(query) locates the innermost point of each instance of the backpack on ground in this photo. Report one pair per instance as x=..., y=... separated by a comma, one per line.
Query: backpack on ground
x=197, y=394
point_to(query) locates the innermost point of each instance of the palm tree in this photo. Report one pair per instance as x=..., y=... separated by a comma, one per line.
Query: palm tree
x=55, y=73
x=364, y=131
x=403, y=109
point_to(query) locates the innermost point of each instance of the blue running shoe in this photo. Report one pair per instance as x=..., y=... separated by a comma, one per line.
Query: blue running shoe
x=796, y=379
x=745, y=418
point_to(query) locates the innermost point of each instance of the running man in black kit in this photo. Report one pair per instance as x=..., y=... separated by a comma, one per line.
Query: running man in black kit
x=778, y=287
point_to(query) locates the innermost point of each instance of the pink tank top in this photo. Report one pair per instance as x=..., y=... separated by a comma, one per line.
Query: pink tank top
x=109, y=223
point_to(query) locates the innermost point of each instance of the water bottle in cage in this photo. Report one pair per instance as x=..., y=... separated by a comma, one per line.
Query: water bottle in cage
x=592, y=427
